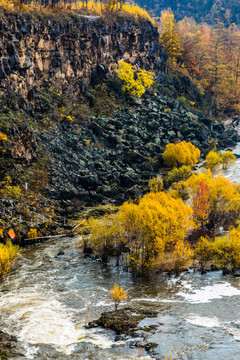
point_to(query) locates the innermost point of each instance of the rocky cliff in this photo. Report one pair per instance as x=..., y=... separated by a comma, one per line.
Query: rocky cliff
x=70, y=53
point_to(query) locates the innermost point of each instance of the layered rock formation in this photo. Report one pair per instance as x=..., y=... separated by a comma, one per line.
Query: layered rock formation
x=71, y=53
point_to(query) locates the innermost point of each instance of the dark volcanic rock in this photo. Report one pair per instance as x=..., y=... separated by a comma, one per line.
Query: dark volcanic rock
x=123, y=321
x=130, y=152
x=9, y=348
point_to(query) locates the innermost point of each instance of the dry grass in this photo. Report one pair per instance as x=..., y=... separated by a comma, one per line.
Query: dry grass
x=79, y=7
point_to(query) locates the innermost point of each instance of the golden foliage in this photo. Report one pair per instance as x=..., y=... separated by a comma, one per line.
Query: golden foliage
x=91, y=6
x=169, y=35
x=8, y=254
x=223, y=197
x=156, y=184
x=155, y=225
x=32, y=233
x=118, y=295
x=228, y=159
x=225, y=251
x=178, y=174
x=213, y=161
x=9, y=190
x=183, y=153
x=204, y=250
x=134, y=87
x=3, y=137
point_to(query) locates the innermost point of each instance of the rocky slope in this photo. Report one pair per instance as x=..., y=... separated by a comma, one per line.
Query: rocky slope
x=112, y=159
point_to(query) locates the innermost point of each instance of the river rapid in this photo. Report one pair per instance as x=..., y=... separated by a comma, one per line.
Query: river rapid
x=47, y=299
x=53, y=292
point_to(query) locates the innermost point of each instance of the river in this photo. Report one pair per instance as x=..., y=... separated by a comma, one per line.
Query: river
x=48, y=298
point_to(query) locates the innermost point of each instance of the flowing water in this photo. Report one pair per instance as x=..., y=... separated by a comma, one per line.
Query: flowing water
x=47, y=299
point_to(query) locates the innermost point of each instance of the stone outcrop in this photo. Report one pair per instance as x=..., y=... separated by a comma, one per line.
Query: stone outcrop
x=72, y=53
x=9, y=348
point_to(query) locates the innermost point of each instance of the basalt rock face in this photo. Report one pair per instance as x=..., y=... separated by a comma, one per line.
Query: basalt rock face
x=71, y=54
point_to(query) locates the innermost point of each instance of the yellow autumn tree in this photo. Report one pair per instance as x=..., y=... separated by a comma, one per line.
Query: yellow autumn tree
x=223, y=197
x=135, y=82
x=228, y=159
x=184, y=153
x=204, y=251
x=118, y=295
x=227, y=250
x=148, y=229
x=224, y=251
x=213, y=161
x=169, y=35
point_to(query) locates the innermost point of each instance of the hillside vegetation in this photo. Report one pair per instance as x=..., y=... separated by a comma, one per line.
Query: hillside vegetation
x=207, y=56
x=210, y=11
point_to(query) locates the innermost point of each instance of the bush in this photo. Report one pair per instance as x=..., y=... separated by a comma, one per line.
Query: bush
x=8, y=254
x=175, y=175
x=204, y=251
x=156, y=184
x=227, y=250
x=228, y=159
x=213, y=161
x=118, y=295
x=157, y=224
x=223, y=197
x=180, y=154
x=135, y=82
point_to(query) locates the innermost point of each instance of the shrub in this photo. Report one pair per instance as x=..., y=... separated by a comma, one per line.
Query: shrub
x=227, y=250
x=32, y=233
x=148, y=229
x=213, y=161
x=118, y=295
x=228, y=159
x=178, y=174
x=204, y=251
x=3, y=137
x=135, y=82
x=183, y=153
x=8, y=254
x=223, y=197
x=156, y=184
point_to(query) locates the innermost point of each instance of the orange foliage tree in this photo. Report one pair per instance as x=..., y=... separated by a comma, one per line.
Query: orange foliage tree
x=201, y=204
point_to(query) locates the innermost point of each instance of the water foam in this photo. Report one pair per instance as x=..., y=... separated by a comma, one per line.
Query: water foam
x=208, y=293
x=203, y=321
x=44, y=320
